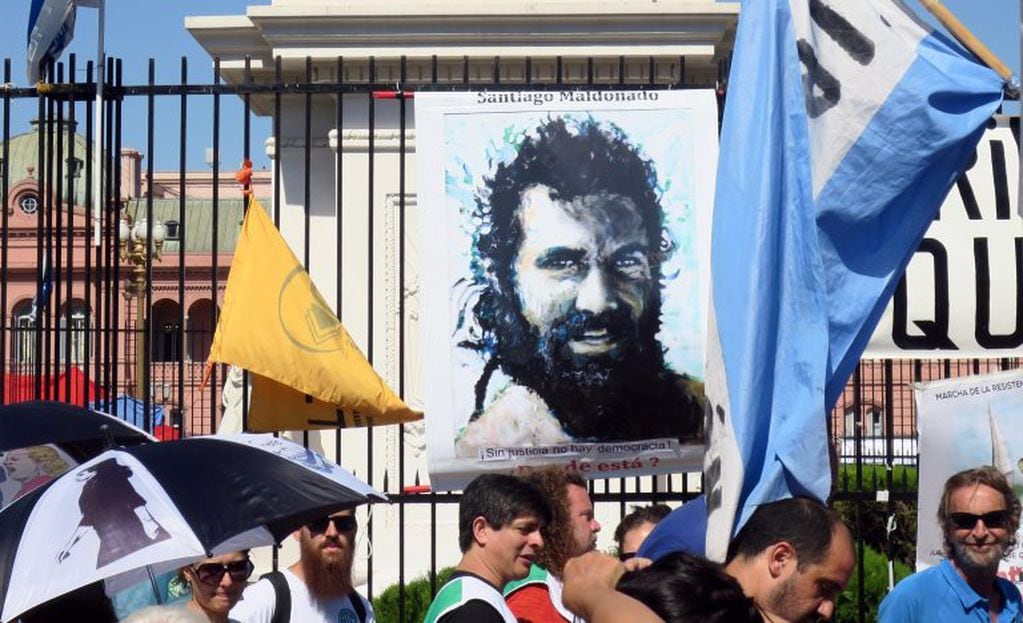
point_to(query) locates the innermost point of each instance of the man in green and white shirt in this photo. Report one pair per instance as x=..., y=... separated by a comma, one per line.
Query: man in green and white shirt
x=499, y=522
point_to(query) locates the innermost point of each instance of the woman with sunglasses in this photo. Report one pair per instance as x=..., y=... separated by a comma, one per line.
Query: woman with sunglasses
x=217, y=584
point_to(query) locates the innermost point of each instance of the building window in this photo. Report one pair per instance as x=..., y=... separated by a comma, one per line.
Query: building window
x=173, y=230
x=74, y=332
x=875, y=419
x=166, y=346
x=29, y=203
x=23, y=344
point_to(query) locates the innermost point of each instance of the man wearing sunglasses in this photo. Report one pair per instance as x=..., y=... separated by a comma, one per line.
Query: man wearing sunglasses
x=978, y=515
x=317, y=588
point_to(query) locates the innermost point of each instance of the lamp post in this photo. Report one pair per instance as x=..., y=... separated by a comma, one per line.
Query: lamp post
x=134, y=235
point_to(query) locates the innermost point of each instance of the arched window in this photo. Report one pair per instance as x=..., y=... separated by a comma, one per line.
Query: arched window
x=75, y=322
x=200, y=329
x=167, y=335
x=23, y=322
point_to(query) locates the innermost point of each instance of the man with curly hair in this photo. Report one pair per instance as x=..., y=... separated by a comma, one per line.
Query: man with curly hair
x=979, y=515
x=571, y=532
x=567, y=268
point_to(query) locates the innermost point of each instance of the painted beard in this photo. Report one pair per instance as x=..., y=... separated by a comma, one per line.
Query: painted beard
x=591, y=395
x=970, y=560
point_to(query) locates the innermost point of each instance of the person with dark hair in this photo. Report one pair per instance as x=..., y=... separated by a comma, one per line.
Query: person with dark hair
x=681, y=588
x=216, y=584
x=636, y=526
x=567, y=264
x=979, y=514
x=793, y=557
x=683, y=530
x=499, y=523
x=571, y=532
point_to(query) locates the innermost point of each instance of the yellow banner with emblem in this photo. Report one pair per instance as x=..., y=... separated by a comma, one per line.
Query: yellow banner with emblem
x=276, y=325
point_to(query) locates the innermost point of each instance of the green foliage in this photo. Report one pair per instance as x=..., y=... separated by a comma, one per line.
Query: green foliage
x=875, y=583
x=869, y=523
x=869, y=520
x=874, y=477
x=417, y=599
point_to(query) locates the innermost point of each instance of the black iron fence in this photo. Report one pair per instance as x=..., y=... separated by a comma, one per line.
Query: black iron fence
x=114, y=295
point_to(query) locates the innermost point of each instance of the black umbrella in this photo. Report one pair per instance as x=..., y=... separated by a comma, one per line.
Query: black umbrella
x=79, y=431
x=155, y=507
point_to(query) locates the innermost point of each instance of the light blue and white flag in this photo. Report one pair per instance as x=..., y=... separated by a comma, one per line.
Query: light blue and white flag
x=845, y=126
x=51, y=26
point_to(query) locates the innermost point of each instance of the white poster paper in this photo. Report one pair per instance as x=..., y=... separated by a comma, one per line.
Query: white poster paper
x=564, y=246
x=964, y=423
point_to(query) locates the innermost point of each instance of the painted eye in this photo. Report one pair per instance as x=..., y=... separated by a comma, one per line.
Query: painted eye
x=558, y=264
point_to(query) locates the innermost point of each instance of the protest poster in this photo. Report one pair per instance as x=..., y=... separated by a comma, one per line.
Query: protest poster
x=963, y=423
x=564, y=245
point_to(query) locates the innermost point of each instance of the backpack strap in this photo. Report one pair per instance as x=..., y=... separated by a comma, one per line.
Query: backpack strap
x=357, y=605
x=282, y=593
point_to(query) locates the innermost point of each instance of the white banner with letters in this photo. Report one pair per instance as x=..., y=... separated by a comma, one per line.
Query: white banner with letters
x=962, y=295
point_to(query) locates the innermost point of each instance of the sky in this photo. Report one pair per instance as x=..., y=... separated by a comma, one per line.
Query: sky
x=138, y=30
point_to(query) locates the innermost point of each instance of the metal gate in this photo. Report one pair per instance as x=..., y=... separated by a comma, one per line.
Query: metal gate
x=112, y=298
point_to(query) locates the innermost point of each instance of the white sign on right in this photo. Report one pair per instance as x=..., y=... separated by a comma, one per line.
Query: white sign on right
x=961, y=295
x=964, y=423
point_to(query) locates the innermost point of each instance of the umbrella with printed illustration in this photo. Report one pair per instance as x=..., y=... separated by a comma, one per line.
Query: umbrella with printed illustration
x=144, y=510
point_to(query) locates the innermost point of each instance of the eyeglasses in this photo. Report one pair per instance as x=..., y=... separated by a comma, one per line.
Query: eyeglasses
x=966, y=521
x=623, y=556
x=342, y=523
x=213, y=572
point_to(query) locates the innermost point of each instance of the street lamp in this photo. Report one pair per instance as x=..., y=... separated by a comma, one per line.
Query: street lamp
x=133, y=235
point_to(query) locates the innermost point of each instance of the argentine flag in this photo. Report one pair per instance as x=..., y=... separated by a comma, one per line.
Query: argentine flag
x=51, y=25
x=846, y=123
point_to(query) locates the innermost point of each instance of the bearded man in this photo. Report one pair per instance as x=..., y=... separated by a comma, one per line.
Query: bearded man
x=979, y=516
x=568, y=270
x=317, y=588
x=571, y=532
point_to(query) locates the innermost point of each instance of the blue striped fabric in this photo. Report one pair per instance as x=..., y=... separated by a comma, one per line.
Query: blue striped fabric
x=845, y=126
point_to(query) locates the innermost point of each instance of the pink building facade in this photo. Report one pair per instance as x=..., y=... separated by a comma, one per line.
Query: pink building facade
x=90, y=319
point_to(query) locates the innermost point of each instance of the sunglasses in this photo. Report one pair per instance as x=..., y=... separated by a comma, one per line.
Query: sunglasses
x=213, y=572
x=966, y=521
x=342, y=523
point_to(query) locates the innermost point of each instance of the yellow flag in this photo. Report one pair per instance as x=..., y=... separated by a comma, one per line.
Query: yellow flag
x=278, y=407
x=276, y=325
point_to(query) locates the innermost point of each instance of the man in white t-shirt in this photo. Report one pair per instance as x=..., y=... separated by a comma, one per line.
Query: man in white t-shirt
x=317, y=588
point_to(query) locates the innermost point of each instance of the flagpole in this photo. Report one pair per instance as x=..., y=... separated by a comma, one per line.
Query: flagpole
x=965, y=37
x=97, y=169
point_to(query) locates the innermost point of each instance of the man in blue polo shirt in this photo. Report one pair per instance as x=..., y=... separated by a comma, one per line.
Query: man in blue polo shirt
x=979, y=515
